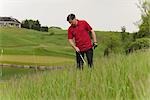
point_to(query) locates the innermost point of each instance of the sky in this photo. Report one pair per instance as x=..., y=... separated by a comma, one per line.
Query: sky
x=102, y=15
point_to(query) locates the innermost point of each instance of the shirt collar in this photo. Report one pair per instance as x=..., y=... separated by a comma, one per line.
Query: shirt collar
x=77, y=24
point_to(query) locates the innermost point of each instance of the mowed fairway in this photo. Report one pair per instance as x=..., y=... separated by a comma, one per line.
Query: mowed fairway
x=35, y=60
x=22, y=46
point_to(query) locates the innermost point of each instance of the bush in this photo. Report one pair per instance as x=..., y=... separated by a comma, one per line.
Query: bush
x=142, y=43
x=31, y=24
x=52, y=33
x=55, y=27
x=112, y=45
x=44, y=29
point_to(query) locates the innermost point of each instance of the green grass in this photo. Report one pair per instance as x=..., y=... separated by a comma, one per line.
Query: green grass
x=16, y=41
x=26, y=42
x=35, y=60
x=30, y=47
x=118, y=77
x=10, y=72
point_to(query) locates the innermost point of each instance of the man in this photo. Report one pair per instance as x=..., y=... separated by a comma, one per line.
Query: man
x=79, y=38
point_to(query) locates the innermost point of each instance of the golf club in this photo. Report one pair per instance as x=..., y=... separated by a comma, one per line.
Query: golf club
x=82, y=58
x=94, y=46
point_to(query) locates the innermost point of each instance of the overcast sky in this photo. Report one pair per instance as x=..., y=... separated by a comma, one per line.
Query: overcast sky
x=104, y=15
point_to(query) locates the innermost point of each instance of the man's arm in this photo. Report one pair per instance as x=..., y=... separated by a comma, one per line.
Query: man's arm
x=94, y=36
x=94, y=39
x=73, y=45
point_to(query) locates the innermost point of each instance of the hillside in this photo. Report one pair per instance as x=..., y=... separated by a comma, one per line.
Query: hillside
x=54, y=43
x=115, y=77
x=24, y=41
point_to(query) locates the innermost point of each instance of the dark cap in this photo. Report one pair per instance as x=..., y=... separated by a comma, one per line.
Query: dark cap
x=71, y=17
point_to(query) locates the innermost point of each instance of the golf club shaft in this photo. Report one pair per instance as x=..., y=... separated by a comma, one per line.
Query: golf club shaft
x=82, y=58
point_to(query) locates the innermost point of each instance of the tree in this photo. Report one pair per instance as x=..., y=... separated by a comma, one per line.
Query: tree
x=31, y=24
x=144, y=26
x=44, y=29
x=36, y=25
x=25, y=24
x=123, y=29
x=140, y=39
x=123, y=33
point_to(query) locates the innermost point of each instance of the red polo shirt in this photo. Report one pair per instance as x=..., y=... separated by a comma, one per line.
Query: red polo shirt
x=81, y=35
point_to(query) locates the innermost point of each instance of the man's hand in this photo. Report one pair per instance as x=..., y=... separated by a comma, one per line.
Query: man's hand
x=77, y=49
x=73, y=45
x=95, y=45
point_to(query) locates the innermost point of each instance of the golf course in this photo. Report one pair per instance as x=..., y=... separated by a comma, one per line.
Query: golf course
x=75, y=50
x=118, y=76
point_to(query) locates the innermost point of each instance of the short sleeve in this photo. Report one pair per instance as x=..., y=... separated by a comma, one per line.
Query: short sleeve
x=70, y=35
x=88, y=27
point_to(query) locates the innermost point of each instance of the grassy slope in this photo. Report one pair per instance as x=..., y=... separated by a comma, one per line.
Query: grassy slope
x=29, y=42
x=23, y=46
x=119, y=77
x=25, y=42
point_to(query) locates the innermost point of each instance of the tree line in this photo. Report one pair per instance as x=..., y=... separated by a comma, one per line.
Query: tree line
x=138, y=40
x=33, y=24
x=141, y=39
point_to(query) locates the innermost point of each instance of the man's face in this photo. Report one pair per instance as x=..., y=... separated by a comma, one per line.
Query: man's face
x=73, y=22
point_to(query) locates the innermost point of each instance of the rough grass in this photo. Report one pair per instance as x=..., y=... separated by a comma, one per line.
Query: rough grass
x=118, y=77
x=10, y=72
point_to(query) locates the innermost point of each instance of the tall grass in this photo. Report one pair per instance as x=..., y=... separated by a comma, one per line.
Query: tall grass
x=118, y=77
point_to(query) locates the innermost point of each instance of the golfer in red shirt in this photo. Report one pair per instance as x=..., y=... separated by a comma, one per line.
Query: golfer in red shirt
x=79, y=38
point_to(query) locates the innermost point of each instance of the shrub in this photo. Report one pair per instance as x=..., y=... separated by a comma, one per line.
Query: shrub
x=141, y=43
x=44, y=29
